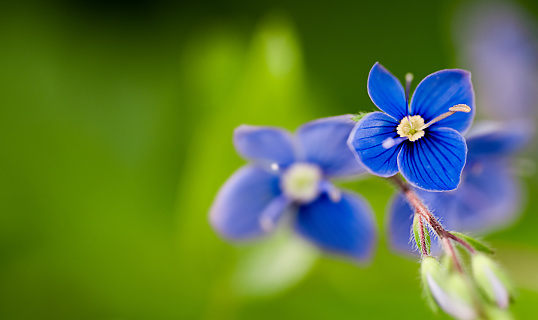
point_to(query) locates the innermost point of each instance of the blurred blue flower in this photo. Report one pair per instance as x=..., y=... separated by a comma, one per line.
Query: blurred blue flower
x=421, y=139
x=289, y=175
x=497, y=40
x=488, y=197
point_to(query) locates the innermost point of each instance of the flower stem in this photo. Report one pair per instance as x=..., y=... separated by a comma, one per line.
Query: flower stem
x=462, y=242
x=423, y=211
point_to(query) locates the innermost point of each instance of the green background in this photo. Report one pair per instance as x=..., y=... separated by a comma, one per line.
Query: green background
x=116, y=121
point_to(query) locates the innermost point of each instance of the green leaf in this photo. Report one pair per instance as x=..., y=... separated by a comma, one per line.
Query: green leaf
x=479, y=246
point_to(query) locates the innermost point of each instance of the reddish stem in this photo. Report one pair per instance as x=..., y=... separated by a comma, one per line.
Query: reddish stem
x=423, y=211
x=462, y=242
x=452, y=253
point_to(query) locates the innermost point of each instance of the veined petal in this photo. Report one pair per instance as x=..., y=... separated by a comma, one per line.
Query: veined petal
x=345, y=227
x=243, y=200
x=441, y=90
x=435, y=161
x=367, y=143
x=488, y=198
x=499, y=139
x=400, y=223
x=324, y=142
x=265, y=145
x=387, y=92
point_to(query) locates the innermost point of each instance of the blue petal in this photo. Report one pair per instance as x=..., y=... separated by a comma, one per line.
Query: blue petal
x=265, y=145
x=346, y=227
x=387, y=92
x=435, y=161
x=324, y=142
x=242, y=201
x=441, y=90
x=366, y=141
x=488, y=198
x=497, y=40
x=400, y=224
x=498, y=139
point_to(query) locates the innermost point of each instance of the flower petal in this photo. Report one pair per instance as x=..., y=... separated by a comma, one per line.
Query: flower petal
x=387, y=92
x=243, y=200
x=346, y=227
x=441, y=90
x=488, y=198
x=324, y=142
x=435, y=161
x=497, y=40
x=366, y=141
x=400, y=224
x=496, y=139
x=265, y=145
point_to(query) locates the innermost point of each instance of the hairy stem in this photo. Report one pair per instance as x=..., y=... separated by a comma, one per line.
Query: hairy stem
x=430, y=219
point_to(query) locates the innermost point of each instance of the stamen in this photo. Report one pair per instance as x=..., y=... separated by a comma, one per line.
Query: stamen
x=301, y=182
x=457, y=108
x=408, y=80
x=332, y=191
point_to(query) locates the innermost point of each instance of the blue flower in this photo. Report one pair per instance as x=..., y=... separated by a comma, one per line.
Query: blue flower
x=289, y=175
x=498, y=42
x=421, y=139
x=488, y=197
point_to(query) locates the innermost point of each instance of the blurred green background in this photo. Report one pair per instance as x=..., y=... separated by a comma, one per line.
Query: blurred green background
x=116, y=133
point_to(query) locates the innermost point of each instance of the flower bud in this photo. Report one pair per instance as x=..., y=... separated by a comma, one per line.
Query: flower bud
x=491, y=281
x=419, y=228
x=449, y=290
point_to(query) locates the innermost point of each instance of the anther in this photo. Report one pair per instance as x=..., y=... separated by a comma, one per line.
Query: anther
x=457, y=108
x=408, y=80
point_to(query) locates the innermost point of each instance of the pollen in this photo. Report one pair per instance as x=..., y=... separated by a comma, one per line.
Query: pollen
x=411, y=128
x=301, y=182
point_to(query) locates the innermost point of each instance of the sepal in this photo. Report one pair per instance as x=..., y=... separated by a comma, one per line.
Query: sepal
x=477, y=245
x=420, y=229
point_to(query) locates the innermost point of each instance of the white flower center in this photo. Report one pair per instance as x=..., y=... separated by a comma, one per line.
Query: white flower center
x=301, y=182
x=411, y=128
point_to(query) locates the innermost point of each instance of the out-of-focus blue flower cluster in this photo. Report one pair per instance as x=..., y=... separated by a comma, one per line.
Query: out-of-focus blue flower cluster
x=465, y=178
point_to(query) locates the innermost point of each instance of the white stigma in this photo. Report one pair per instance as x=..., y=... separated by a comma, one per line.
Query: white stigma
x=301, y=182
x=411, y=128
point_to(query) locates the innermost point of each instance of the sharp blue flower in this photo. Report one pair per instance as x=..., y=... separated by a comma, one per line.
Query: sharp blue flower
x=289, y=175
x=421, y=139
x=488, y=197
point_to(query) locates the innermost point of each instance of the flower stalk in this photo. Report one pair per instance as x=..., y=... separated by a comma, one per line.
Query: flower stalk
x=422, y=211
x=456, y=293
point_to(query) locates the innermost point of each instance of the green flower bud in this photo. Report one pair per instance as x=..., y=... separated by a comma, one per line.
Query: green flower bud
x=418, y=227
x=448, y=290
x=491, y=281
